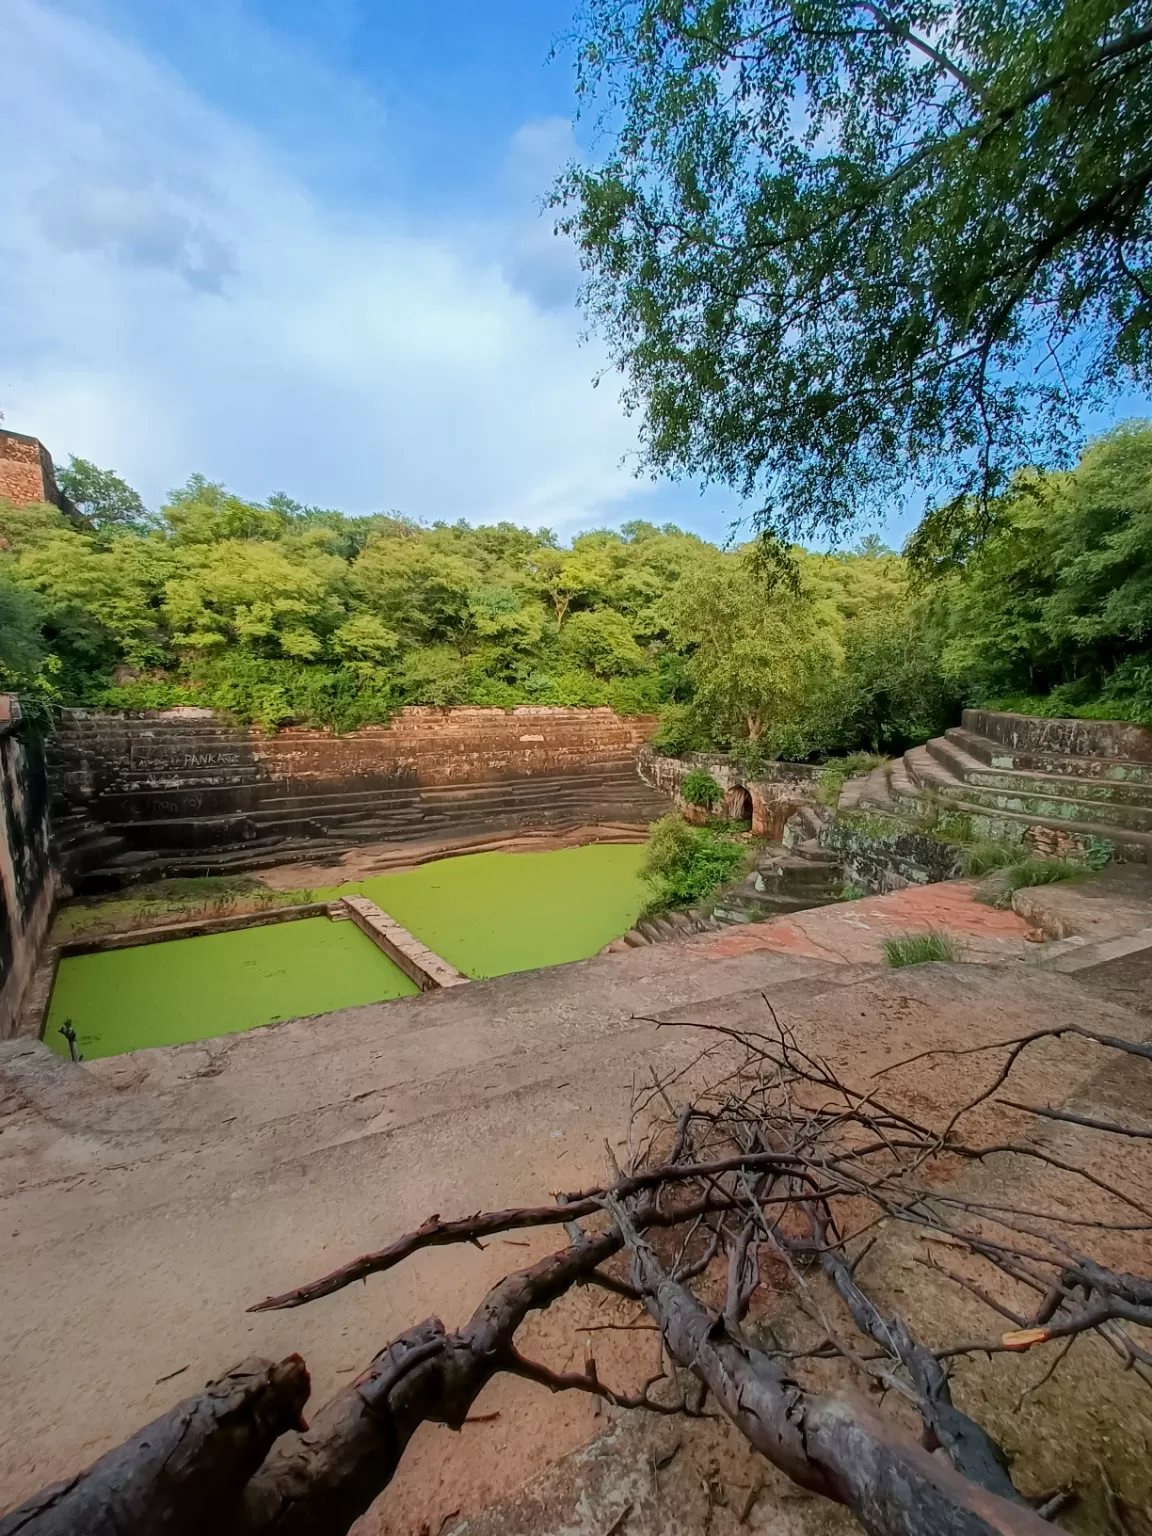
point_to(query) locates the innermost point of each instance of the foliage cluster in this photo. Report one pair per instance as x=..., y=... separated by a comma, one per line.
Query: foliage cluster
x=685, y=864
x=838, y=249
x=1051, y=612
x=700, y=788
x=280, y=612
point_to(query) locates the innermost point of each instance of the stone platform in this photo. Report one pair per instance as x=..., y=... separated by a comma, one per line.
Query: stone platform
x=148, y=1200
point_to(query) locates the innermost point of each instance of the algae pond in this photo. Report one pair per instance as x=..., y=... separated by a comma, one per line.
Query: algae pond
x=487, y=914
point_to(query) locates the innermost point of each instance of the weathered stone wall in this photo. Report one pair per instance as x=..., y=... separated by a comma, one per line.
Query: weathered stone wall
x=26, y=472
x=459, y=746
x=880, y=858
x=166, y=749
x=173, y=787
x=27, y=879
x=769, y=799
x=1109, y=741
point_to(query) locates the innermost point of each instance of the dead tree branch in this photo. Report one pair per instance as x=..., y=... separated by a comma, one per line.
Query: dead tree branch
x=183, y=1473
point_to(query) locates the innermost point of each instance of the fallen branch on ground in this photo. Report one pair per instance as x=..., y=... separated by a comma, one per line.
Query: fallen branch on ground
x=183, y=1473
x=767, y=1184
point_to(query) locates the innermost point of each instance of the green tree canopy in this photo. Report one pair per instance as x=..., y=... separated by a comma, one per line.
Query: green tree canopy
x=839, y=246
x=1059, y=597
x=760, y=656
x=102, y=497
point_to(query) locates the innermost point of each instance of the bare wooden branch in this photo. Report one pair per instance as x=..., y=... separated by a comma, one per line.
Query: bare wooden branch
x=761, y=1179
x=837, y=1447
x=182, y=1473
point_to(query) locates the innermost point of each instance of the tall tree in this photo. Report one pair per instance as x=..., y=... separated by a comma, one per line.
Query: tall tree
x=108, y=502
x=759, y=658
x=838, y=246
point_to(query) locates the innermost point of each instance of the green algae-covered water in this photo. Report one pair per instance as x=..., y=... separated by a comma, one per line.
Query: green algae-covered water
x=491, y=913
x=191, y=989
x=487, y=913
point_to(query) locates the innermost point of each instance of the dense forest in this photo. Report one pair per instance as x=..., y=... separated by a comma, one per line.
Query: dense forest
x=280, y=612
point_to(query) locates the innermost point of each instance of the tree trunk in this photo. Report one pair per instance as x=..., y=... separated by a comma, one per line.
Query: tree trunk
x=182, y=1474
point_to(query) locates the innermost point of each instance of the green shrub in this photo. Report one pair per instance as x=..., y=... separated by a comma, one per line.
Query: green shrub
x=679, y=731
x=919, y=948
x=851, y=892
x=700, y=788
x=685, y=864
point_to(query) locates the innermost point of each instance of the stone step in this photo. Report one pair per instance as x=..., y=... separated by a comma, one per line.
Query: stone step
x=872, y=791
x=280, y=795
x=1097, y=791
x=1136, y=847
x=1113, y=740
x=1055, y=808
x=737, y=907
x=516, y=794
x=263, y=851
x=995, y=754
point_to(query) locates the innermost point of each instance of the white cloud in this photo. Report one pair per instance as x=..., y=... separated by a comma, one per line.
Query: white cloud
x=174, y=300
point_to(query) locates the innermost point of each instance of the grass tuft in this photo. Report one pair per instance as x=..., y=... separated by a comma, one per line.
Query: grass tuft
x=919, y=948
x=1028, y=872
x=981, y=857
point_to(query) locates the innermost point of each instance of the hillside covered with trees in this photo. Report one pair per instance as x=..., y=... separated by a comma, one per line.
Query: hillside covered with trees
x=280, y=612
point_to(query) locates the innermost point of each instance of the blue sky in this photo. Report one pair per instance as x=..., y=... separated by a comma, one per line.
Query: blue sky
x=296, y=245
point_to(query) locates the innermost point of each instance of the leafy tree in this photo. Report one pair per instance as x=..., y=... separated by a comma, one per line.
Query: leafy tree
x=99, y=600
x=507, y=627
x=203, y=512
x=1059, y=597
x=251, y=592
x=564, y=578
x=22, y=646
x=602, y=642
x=839, y=246
x=421, y=593
x=435, y=675
x=365, y=637
x=103, y=498
x=760, y=656
x=893, y=690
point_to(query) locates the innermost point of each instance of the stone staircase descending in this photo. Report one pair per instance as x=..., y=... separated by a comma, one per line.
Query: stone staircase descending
x=784, y=880
x=1056, y=784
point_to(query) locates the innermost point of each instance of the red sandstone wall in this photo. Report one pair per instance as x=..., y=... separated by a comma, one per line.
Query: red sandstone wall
x=22, y=478
x=459, y=746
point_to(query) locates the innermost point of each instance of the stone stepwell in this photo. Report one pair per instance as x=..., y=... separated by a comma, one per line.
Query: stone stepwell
x=150, y=797
x=1058, y=785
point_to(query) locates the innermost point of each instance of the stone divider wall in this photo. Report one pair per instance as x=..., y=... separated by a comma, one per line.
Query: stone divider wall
x=420, y=964
x=27, y=879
